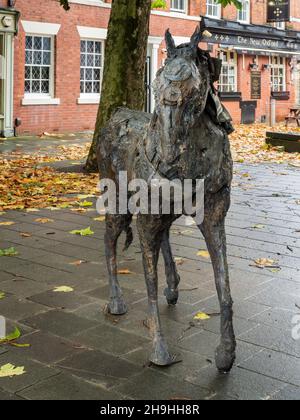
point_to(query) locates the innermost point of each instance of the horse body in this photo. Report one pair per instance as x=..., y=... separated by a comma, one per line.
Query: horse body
x=183, y=139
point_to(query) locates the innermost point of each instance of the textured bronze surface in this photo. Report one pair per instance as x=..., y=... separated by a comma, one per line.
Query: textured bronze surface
x=185, y=138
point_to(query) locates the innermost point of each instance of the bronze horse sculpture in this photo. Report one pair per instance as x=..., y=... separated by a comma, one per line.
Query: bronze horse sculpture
x=186, y=137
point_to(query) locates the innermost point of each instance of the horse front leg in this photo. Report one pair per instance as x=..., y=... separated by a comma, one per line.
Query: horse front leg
x=172, y=276
x=216, y=243
x=150, y=244
x=115, y=224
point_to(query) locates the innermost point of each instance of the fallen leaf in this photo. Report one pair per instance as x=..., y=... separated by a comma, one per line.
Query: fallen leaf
x=7, y=223
x=20, y=345
x=25, y=235
x=44, y=220
x=63, y=289
x=100, y=219
x=266, y=262
x=83, y=232
x=86, y=204
x=10, y=370
x=203, y=254
x=259, y=226
x=85, y=196
x=201, y=316
x=79, y=262
x=9, y=252
x=2, y=295
x=12, y=336
x=32, y=210
x=179, y=261
x=124, y=271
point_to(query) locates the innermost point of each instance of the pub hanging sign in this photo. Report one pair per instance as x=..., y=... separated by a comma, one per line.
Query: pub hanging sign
x=278, y=11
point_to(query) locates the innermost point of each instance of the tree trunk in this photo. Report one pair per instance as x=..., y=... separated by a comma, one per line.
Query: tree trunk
x=124, y=64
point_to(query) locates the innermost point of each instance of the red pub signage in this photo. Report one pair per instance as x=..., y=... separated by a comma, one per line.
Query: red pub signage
x=278, y=11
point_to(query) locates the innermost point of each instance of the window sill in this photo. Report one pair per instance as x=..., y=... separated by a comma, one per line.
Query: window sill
x=88, y=100
x=39, y=100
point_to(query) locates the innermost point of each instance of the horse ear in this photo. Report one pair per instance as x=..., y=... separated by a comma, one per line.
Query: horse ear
x=197, y=35
x=170, y=43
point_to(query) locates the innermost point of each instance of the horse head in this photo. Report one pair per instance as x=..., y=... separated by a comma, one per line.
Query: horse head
x=181, y=89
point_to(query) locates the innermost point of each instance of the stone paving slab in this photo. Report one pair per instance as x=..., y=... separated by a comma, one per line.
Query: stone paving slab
x=78, y=353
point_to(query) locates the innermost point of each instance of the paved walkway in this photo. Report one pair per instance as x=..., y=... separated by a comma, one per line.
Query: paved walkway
x=77, y=352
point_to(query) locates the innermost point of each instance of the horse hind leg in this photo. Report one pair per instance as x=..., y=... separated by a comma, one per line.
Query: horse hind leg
x=173, y=279
x=115, y=225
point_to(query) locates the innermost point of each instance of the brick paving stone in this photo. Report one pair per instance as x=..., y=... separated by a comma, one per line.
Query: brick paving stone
x=34, y=372
x=275, y=365
x=59, y=323
x=100, y=368
x=67, y=387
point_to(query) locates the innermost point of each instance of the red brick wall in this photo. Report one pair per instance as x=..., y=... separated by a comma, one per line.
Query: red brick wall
x=71, y=116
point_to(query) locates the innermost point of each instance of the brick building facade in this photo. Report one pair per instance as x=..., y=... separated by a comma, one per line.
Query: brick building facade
x=52, y=61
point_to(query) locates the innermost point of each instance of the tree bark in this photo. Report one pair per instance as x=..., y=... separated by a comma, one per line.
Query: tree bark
x=124, y=64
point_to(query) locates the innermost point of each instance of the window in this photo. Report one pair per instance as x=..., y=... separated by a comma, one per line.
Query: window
x=38, y=65
x=279, y=25
x=278, y=74
x=228, y=77
x=213, y=9
x=91, y=65
x=179, y=6
x=244, y=13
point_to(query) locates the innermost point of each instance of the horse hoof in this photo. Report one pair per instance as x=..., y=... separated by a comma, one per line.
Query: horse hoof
x=117, y=306
x=163, y=359
x=160, y=355
x=224, y=359
x=171, y=296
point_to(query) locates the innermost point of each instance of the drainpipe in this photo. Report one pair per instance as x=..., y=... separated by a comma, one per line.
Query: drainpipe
x=273, y=112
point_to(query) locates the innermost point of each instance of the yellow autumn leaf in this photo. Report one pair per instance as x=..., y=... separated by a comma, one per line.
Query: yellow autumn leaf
x=63, y=289
x=203, y=254
x=179, y=261
x=265, y=262
x=44, y=220
x=259, y=226
x=201, y=316
x=10, y=370
x=124, y=271
x=7, y=223
x=100, y=219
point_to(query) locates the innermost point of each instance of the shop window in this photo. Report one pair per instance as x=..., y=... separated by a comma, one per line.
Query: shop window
x=228, y=77
x=244, y=12
x=38, y=65
x=278, y=74
x=213, y=9
x=91, y=67
x=179, y=6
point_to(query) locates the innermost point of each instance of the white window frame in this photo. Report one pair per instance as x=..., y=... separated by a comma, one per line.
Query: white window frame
x=280, y=25
x=93, y=98
x=278, y=66
x=211, y=4
x=243, y=15
x=226, y=65
x=47, y=30
x=87, y=33
x=42, y=98
x=178, y=10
